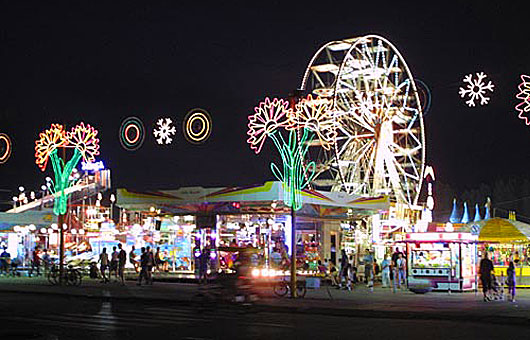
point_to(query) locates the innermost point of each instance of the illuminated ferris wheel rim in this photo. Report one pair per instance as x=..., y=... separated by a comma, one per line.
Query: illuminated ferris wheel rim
x=337, y=67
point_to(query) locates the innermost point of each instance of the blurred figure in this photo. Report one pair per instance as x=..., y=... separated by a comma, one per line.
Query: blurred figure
x=5, y=262
x=150, y=262
x=35, y=262
x=385, y=274
x=485, y=271
x=132, y=259
x=510, y=278
x=122, y=258
x=104, y=263
x=143, y=267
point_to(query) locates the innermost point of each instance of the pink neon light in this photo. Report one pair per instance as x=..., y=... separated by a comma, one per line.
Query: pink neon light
x=269, y=116
x=524, y=95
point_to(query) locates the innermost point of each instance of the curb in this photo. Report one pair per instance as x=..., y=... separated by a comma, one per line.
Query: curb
x=338, y=312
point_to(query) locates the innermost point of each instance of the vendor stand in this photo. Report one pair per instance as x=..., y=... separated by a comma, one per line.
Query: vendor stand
x=505, y=239
x=441, y=261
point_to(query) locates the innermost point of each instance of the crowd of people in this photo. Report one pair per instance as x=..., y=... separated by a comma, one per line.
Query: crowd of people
x=143, y=264
x=392, y=270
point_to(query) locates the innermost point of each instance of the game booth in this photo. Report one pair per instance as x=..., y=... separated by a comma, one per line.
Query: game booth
x=505, y=239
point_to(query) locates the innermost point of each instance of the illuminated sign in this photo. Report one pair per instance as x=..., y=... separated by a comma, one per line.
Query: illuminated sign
x=92, y=166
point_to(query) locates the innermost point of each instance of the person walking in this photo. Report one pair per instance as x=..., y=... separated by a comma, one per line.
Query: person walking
x=103, y=263
x=485, y=270
x=35, y=262
x=46, y=261
x=132, y=260
x=114, y=263
x=510, y=276
x=343, y=275
x=385, y=274
x=368, y=268
x=143, y=266
x=401, y=270
x=149, y=265
x=122, y=258
x=5, y=262
x=203, y=265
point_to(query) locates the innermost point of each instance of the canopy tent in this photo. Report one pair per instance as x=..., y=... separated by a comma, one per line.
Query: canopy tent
x=41, y=218
x=255, y=198
x=500, y=230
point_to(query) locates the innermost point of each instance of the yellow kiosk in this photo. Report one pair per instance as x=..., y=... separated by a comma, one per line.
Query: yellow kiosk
x=505, y=239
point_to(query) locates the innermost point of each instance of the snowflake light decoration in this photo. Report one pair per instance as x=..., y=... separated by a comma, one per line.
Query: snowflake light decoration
x=476, y=89
x=164, y=130
x=524, y=94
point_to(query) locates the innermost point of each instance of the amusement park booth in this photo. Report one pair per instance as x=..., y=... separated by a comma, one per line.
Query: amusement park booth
x=441, y=261
x=505, y=239
x=226, y=218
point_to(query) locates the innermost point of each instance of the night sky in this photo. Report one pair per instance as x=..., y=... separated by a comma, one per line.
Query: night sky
x=100, y=62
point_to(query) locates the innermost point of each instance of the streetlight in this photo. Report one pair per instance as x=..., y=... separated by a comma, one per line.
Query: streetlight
x=32, y=195
x=15, y=199
x=21, y=188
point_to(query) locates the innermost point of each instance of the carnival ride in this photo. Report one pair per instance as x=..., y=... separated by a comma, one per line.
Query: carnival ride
x=378, y=136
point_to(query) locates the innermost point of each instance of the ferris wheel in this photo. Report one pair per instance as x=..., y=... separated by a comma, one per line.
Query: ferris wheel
x=379, y=143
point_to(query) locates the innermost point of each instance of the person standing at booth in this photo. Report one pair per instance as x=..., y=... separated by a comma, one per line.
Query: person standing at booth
x=485, y=270
x=510, y=276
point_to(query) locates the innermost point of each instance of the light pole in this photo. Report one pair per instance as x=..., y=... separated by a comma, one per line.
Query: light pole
x=112, y=200
x=15, y=199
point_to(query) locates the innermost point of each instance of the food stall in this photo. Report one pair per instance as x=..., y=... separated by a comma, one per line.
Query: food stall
x=441, y=261
x=505, y=239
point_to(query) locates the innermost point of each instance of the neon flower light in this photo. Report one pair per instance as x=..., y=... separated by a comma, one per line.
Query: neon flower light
x=273, y=119
x=476, y=89
x=315, y=115
x=524, y=94
x=269, y=116
x=82, y=138
x=5, y=148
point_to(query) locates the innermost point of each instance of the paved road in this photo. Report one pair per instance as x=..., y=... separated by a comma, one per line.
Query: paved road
x=31, y=316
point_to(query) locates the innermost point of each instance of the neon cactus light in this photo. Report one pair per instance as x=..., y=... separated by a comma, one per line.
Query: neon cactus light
x=524, y=94
x=85, y=144
x=274, y=119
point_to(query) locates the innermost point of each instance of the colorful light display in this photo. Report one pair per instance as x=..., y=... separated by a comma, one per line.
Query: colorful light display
x=273, y=119
x=524, y=94
x=314, y=114
x=132, y=133
x=476, y=89
x=83, y=139
x=163, y=131
x=197, y=126
x=5, y=148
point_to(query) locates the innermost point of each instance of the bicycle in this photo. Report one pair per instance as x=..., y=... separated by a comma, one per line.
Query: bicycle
x=71, y=276
x=283, y=287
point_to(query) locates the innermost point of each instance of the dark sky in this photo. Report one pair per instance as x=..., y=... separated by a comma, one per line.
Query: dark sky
x=100, y=62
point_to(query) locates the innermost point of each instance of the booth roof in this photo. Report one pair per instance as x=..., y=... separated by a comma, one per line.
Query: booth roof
x=267, y=192
x=501, y=230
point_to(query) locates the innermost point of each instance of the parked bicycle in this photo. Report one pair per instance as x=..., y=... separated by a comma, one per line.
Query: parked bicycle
x=283, y=287
x=71, y=276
